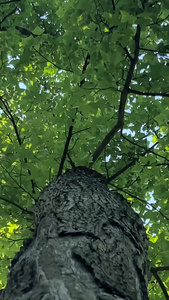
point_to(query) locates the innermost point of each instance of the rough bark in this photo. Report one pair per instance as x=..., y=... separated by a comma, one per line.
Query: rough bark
x=88, y=245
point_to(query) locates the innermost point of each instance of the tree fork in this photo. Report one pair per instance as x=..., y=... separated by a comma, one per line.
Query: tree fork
x=88, y=245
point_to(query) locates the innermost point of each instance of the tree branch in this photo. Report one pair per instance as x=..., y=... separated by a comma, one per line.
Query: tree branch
x=10, y=1
x=12, y=240
x=10, y=116
x=131, y=91
x=127, y=53
x=123, y=99
x=71, y=161
x=20, y=141
x=159, y=269
x=8, y=15
x=3, y=28
x=154, y=51
x=161, y=284
x=162, y=164
x=25, y=211
x=25, y=31
x=151, y=151
x=113, y=5
x=141, y=200
x=70, y=133
x=19, y=185
x=130, y=164
x=76, y=132
x=46, y=59
x=86, y=63
x=159, y=21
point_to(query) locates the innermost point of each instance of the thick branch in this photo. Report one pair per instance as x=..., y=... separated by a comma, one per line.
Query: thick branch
x=65, y=150
x=159, y=269
x=123, y=99
x=86, y=63
x=113, y=5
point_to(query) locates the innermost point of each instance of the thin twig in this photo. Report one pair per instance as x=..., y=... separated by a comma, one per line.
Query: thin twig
x=25, y=211
x=19, y=185
x=151, y=151
x=131, y=91
x=127, y=53
x=19, y=139
x=10, y=1
x=11, y=118
x=154, y=50
x=130, y=164
x=11, y=240
x=158, y=22
x=141, y=200
x=76, y=132
x=46, y=59
x=121, y=171
x=71, y=161
x=162, y=164
x=8, y=15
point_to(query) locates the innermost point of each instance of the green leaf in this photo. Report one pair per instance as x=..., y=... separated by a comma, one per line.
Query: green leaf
x=38, y=30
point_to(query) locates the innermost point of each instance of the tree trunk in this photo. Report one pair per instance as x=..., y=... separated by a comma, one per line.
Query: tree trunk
x=88, y=245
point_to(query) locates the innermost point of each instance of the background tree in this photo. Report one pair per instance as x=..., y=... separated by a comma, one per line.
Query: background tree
x=85, y=83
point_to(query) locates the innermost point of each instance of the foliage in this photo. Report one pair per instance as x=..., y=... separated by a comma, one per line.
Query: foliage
x=85, y=83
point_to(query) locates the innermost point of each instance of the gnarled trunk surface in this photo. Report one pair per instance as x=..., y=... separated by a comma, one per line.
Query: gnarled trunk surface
x=88, y=245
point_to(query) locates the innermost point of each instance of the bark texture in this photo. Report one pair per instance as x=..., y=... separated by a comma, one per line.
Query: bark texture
x=88, y=245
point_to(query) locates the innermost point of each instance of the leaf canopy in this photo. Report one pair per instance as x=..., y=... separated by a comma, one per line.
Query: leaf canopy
x=85, y=83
